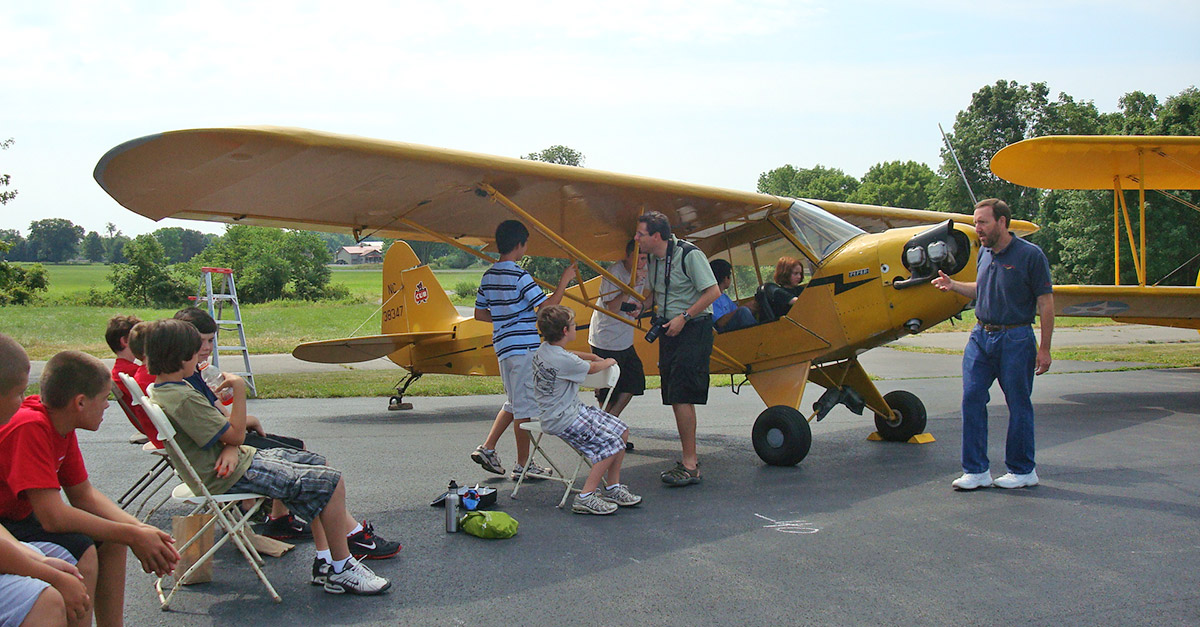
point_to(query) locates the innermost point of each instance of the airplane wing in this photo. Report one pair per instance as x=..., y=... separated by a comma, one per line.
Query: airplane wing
x=357, y=349
x=1098, y=161
x=1171, y=306
x=312, y=180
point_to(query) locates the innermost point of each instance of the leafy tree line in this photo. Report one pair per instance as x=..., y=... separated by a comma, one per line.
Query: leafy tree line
x=18, y=285
x=1076, y=226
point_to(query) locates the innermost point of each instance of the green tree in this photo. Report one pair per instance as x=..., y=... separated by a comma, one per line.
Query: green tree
x=145, y=279
x=819, y=182
x=16, y=247
x=93, y=247
x=562, y=155
x=5, y=179
x=895, y=184
x=269, y=264
x=54, y=239
x=18, y=286
x=180, y=244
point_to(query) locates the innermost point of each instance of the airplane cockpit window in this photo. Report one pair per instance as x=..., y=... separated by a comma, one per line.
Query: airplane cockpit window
x=820, y=231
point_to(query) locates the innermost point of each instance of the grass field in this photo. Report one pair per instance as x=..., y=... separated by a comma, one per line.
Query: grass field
x=271, y=327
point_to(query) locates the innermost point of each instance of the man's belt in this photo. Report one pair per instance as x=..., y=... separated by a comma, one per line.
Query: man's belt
x=996, y=328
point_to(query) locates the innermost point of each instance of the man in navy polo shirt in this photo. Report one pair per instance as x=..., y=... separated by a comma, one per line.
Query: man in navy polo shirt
x=1013, y=281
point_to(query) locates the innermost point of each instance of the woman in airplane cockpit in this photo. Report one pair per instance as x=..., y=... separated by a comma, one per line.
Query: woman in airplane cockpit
x=781, y=294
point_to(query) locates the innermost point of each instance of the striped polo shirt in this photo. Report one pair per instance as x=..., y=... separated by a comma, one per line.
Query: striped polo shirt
x=511, y=296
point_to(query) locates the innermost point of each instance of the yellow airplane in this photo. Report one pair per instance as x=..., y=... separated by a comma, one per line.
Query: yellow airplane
x=1119, y=163
x=869, y=266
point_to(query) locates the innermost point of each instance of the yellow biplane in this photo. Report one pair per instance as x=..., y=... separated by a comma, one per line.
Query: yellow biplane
x=1119, y=163
x=869, y=266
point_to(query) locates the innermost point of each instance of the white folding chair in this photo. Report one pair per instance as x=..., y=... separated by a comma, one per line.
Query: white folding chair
x=154, y=479
x=192, y=491
x=606, y=378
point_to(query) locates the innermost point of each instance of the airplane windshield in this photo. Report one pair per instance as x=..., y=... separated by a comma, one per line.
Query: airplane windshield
x=818, y=230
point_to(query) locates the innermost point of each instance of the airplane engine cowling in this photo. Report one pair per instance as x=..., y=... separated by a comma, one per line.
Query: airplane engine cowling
x=939, y=248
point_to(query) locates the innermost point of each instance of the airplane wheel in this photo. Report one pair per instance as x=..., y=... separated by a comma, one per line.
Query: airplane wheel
x=907, y=420
x=781, y=436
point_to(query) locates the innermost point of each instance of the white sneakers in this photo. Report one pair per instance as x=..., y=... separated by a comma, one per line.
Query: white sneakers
x=1017, y=481
x=973, y=481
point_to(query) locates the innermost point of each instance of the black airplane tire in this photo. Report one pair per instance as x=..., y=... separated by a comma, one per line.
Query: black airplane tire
x=781, y=436
x=907, y=420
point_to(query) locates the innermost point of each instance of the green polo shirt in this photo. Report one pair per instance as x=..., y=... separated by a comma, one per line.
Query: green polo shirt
x=198, y=427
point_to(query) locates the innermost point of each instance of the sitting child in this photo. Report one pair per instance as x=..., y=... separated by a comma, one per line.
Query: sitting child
x=727, y=316
x=40, y=461
x=280, y=523
x=214, y=446
x=34, y=589
x=116, y=335
x=601, y=437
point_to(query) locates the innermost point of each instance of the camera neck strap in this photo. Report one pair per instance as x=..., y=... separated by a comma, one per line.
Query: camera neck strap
x=667, y=278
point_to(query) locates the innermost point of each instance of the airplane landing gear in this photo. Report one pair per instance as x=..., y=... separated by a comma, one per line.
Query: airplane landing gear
x=907, y=419
x=396, y=402
x=781, y=436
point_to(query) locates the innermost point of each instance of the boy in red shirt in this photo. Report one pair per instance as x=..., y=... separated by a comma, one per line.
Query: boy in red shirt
x=117, y=338
x=39, y=457
x=36, y=588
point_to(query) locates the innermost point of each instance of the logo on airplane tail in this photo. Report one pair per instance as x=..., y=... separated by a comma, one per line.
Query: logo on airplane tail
x=421, y=294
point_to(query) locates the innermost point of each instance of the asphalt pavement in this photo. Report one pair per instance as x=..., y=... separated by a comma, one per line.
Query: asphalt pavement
x=860, y=532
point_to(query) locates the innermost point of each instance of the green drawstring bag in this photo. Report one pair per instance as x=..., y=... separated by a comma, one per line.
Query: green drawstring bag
x=489, y=524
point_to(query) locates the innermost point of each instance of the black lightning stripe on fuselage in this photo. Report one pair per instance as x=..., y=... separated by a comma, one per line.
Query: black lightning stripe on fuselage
x=839, y=283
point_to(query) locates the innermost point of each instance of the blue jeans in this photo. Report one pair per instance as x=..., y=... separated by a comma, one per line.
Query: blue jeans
x=1010, y=356
x=742, y=318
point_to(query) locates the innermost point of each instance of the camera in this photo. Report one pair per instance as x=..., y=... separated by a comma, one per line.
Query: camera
x=656, y=328
x=629, y=307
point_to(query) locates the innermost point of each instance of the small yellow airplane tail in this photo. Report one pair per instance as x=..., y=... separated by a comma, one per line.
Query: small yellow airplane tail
x=414, y=300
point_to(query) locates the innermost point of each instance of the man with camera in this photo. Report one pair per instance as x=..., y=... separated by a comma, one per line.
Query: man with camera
x=683, y=289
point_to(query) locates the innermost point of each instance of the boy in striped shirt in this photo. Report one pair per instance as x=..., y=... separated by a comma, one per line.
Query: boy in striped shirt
x=509, y=299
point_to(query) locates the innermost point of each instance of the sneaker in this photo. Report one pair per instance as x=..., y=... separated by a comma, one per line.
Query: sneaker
x=1010, y=480
x=620, y=495
x=535, y=472
x=286, y=528
x=356, y=579
x=488, y=459
x=321, y=570
x=366, y=545
x=629, y=446
x=681, y=476
x=591, y=503
x=973, y=480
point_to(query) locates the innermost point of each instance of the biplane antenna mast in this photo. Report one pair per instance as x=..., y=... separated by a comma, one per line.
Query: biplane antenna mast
x=959, y=165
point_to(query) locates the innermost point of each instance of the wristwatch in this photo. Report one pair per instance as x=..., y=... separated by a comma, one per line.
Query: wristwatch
x=686, y=316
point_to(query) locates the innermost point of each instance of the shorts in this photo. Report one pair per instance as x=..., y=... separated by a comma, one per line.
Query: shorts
x=298, y=478
x=633, y=377
x=683, y=363
x=17, y=596
x=516, y=373
x=595, y=434
x=64, y=546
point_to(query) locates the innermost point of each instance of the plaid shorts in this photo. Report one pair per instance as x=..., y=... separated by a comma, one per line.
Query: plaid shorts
x=595, y=434
x=298, y=478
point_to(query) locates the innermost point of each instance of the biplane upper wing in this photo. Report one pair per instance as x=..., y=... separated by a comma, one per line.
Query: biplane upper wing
x=1112, y=162
x=364, y=348
x=306, y=179
x=1101, y=162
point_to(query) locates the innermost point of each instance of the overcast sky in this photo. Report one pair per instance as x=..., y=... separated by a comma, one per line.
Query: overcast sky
x=700, y=90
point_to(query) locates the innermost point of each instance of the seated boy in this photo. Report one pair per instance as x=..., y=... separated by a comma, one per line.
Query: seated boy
x=40, y=460
x=727, y=316
x=214, y=446
x=34, y=589
x=116, y=335
x=280, y=524
x=601, y=437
